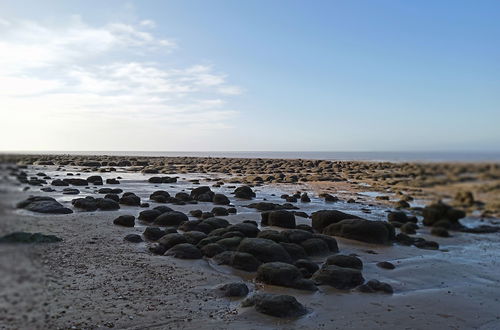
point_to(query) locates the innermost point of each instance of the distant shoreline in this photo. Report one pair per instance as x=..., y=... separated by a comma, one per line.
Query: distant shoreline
x=368, y=156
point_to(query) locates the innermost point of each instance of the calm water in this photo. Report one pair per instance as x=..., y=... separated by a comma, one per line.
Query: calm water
x=324, y=155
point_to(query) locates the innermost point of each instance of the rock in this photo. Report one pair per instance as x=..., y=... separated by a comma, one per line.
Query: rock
x=247, y=229
x=41, y=204
x=386, y=265
x=273, y=235
x=304, y=198
x=238, y=260
x=373, y=286
x=426, y=245
x=194, y=237
x=130, y=199
x=297, y=235
x=283, y=274
x=398, y=216
x=315, y=246
x=440, y=231
x=106, y=204
x=276, y=305
x=345, y=261
x=338, y=277
x=171, y=240
x=125, y=220
x=24, y=237
x=309, y=265
x=464, y=198
x=401, y=204
x=153, y=233
x=330, y=241
x=244, y=192
x=202, y=194
x=440, y=211
x=324, y=218
x=149, y=215
x=196, y=213
x=219, y=211
x=212, y=249
x=163, y=209
x=172, y=218
x=220, y=199
x=264, y=250
x=330, y=198
x=376, y=232
x=184, y=251
x=295, y=251
x=70, y=191
x=163, y=179
x=230, y=243
x=47, y=189
x=112, y=181
x=59, y=183
x=95, y=179
x=236, y=289
x=160, y=196
x=409, y=228
x=281, y=218
x=76, y=182
x=133, y=238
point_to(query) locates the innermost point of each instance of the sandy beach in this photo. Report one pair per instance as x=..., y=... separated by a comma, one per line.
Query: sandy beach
x=94, y=279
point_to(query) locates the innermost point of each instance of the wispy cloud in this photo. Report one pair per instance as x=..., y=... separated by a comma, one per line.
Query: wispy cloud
x=78, y=70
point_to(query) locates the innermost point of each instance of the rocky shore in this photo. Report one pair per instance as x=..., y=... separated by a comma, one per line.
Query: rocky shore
x=93, y=242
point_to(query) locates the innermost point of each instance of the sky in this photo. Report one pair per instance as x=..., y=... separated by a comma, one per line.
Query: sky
x=273, y=75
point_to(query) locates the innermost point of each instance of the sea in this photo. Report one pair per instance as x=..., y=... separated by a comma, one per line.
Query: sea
x=376, y=156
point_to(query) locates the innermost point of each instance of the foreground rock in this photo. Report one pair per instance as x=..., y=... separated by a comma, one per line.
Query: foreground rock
x=264, y=250
x=276, y=305
x=324, y=218
x=236, y=289
x=373, y=286
x=24, y=237
x=41, y=204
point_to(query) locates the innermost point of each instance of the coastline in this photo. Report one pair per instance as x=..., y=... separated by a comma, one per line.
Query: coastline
x=93, y=279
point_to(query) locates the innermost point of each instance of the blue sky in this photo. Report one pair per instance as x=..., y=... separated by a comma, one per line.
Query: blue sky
x=250, y=75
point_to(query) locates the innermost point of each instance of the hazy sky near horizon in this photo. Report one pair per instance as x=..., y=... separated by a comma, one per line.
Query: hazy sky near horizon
x=250, y=75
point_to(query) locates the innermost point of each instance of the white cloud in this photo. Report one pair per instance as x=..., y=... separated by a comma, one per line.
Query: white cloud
x=77, y=71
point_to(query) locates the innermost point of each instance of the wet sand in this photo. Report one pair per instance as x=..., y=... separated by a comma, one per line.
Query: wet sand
x=93, y=279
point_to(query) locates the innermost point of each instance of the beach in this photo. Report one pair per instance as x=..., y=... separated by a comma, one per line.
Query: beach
x=94, y=279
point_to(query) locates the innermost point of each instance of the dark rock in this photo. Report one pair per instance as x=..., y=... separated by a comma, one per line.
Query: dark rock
x=377, y=232
x=133, y=238
x=244, y=192
x=194, y=237
x=440, y=231
x=130, y=199
x=264, y=250
x=95, y=179
x=311, y=266
x=373, y=286
x=149, y=215
x=238, y=260
x=70, y=191
x=172, y=218
x=59, y=183
x=315, y=246
x=247, y=229
x=283, y=274
x=345, y=261
x=304, y=198
x=440, y=211
x=276, y=305
x=125, y=220
x=184, y=251
x=338, y=277
x=273, y=235
x=221, y=199
x=324, y=218
x=219, y=211
x=386, y=265
x=237, y=289
x=171, y=240
x=153, y=233
x=24, y=237
x=281, y=218
x=202, y=194
x=196, y=213
x=295, y=251
x=212, y=249
x=43, y=205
